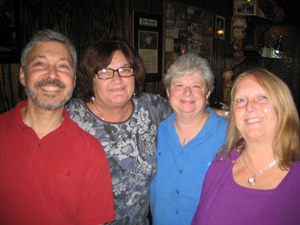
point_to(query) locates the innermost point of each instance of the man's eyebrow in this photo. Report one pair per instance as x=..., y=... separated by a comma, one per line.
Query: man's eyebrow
x=39, y=56
x=44, y=57
x=64, y=59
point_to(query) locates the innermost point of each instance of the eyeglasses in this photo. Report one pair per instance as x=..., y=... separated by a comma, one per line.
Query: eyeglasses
x=105, y=74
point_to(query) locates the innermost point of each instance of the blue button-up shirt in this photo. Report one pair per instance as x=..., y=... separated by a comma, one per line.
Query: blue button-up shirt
x=176, y=188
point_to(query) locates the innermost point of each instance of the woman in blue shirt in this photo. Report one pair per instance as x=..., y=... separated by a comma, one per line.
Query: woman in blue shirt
x=187, y=141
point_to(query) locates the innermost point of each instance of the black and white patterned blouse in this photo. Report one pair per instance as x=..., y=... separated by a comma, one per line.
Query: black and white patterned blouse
x=130, y=148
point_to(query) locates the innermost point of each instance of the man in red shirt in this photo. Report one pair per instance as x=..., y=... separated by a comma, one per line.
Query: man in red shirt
x=51, y=171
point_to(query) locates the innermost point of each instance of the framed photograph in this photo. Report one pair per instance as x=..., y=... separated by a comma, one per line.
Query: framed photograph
x=9, y=38
x=148, y=42
x=245, y=7
x=220, y=27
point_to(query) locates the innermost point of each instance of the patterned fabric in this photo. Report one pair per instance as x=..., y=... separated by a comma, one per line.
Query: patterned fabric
x=130, y=148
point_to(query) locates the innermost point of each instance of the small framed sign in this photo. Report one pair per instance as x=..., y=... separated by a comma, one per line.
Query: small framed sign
x=220, y=27
x=245, y=7
x=148, y=42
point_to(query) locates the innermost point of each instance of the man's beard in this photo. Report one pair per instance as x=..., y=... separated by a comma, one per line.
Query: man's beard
x=48, y=106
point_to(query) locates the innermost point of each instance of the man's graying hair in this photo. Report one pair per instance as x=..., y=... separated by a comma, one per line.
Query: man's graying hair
x=48, y=35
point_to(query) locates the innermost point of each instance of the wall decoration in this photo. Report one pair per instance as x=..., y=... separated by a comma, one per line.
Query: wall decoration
x=245, y=7
x=187, y=29
x=148, y=41
x=220, y=27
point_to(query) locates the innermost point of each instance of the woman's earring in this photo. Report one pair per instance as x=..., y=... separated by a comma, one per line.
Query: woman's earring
x=133, y=95
x=92, y=100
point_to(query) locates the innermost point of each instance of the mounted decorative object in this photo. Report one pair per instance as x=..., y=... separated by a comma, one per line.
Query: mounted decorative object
x=245, y=7
x=148, y=41
x=239, y=25
x=227, y=86
x=220, y=27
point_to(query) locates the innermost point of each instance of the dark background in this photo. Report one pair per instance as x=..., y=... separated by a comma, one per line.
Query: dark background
x=85, y=22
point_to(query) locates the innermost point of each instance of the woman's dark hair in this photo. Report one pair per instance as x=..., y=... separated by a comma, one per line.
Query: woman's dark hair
x=99, y=56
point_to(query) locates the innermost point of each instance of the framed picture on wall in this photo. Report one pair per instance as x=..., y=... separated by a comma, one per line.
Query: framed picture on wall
x=148, y=42
x=220, y=27
x=244, y=7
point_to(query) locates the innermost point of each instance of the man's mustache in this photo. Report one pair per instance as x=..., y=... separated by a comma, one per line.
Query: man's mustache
x=54, y=82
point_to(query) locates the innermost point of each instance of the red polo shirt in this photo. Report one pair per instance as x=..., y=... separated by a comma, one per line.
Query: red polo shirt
x=63, y=178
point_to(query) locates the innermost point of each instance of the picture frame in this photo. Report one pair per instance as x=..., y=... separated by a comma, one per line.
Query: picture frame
x=147, y=39
x=220, y=27
x=245, y=8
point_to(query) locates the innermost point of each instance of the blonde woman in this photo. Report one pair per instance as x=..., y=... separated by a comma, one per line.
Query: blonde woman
x=256, y=181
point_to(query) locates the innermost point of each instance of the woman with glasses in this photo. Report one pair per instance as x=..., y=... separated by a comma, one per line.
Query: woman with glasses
x=112, y=107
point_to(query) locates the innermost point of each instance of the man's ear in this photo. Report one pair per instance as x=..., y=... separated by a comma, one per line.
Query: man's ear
x=22, y=76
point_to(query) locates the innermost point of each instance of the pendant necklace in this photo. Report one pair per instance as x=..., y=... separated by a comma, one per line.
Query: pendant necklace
x=252, y=180
x=184, y=142
x=125, y=114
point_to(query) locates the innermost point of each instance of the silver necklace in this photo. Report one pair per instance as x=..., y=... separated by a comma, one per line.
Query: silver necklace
x=252, y=180
x=102, y=118
x=184, y=142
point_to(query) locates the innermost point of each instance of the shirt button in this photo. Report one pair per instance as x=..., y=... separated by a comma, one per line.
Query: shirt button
x=39, y=145
x=159, y=153
x=180, y=171
x=176, y=212
x=177, y=191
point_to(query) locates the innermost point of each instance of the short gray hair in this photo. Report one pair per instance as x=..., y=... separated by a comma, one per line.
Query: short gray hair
x=190, y=63
x=48, y=35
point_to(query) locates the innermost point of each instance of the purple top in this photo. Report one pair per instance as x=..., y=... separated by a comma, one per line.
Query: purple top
x=223, y=201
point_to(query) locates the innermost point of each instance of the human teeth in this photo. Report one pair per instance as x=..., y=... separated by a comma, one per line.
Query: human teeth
x=253, y=120
x=51, y=88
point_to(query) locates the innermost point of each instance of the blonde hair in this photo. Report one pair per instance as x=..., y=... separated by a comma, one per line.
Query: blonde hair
x=286, y=145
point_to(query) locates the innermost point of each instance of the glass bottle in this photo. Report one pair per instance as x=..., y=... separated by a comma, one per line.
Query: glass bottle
x=277, y=52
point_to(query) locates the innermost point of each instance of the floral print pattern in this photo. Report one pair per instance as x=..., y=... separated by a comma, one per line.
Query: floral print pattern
x=130, y=148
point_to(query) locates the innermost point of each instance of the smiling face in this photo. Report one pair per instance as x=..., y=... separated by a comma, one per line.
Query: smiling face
x=116, y=91
x=49, y=77
x=254, y=114
x=187, y=94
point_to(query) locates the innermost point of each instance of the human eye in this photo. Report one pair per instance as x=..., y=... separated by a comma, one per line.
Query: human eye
x=64, y=66
x=104, y=72
x=38, y=64
x=178, y=85
x=262, y=99
x=196, y=87
x=240, y=102
x=124, y=69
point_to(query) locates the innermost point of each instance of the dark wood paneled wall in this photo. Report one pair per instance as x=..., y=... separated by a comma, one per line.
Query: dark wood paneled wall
x=85, y=22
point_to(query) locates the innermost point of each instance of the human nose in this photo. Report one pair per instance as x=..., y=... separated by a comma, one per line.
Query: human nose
x=116, y=76
x=250, y=106
x=52, y=72
x=187, y=91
